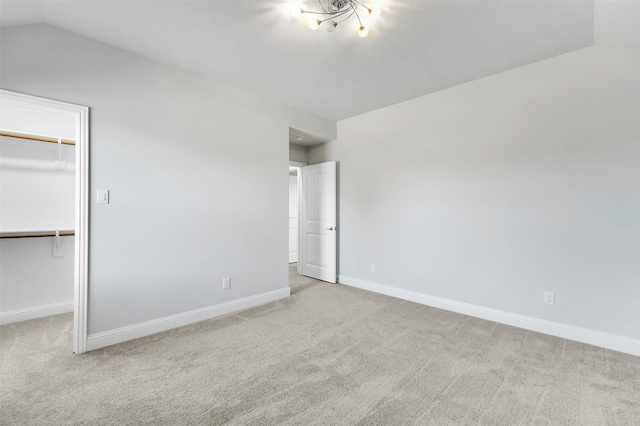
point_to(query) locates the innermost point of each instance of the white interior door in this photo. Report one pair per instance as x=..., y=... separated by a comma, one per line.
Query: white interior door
x=319, y=221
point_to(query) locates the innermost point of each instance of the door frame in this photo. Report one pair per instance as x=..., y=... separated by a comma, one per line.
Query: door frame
x=80, y=115
x=299, y=166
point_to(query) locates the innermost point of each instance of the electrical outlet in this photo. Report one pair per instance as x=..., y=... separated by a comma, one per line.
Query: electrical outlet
x=226, y=283
x=549, y=298
x=373, y=267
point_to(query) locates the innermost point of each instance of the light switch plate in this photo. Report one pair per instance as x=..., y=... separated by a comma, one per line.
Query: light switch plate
x=103, y=196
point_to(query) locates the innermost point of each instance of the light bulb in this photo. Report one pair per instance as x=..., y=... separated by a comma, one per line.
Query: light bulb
x=314, y=24
x=295, y=10
x=374, y=11
x=363, y=31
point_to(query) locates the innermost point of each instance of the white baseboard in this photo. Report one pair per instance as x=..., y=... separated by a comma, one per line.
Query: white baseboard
x=135, y=331
x=584, y=335
x=36, y=312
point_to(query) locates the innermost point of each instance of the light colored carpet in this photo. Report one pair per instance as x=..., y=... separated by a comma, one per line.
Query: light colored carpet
x=328, y=355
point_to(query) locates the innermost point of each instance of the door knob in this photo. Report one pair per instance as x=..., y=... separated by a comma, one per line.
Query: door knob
x=331, y=228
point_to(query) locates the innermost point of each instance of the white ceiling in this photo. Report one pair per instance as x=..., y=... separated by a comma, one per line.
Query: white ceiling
x=415, y=47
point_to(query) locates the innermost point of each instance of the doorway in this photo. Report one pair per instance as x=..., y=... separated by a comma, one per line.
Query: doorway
x=32, y=216
x=314, y=189
x=312, y=220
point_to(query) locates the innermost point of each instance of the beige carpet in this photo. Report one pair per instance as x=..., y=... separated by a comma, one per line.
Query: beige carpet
x=329, y=355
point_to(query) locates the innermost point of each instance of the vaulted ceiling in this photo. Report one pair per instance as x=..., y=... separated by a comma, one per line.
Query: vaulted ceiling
x=415, y=47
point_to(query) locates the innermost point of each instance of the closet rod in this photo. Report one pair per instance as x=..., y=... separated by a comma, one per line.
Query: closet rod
x=35, y=138
x=35, y=234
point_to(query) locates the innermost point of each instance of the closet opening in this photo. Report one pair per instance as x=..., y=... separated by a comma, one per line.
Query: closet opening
x=44, y=175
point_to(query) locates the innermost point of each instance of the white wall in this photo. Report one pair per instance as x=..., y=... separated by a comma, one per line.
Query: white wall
x=35, y=195
x=32, y=280
x=196, y=170
x=494, y=191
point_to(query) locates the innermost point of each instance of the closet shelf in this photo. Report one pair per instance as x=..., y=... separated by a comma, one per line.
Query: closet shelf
x=36, y=138
x=35, y=234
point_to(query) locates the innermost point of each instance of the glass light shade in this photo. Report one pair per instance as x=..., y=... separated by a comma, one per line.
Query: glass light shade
x=314, y=24
x=295, y=10
x=363, y=31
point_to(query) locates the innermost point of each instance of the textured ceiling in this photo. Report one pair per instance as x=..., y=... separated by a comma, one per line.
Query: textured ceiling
x=415, y=47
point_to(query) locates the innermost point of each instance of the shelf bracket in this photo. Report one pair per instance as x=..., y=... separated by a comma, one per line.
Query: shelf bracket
x=60, y=162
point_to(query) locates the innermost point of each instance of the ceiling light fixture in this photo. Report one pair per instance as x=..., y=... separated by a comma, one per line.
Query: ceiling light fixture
x=335, y=12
